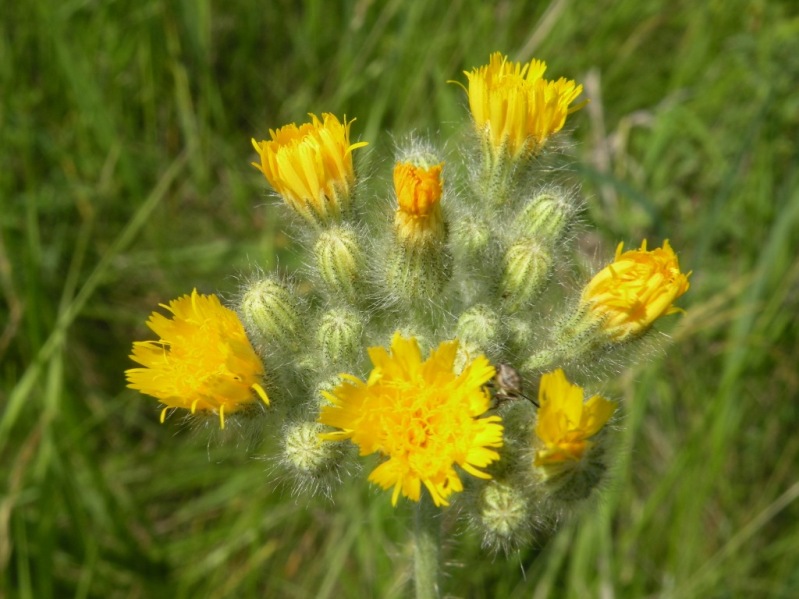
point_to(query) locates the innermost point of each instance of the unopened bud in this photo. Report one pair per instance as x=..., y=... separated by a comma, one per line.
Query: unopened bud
x=415, y=274
x=546, y=217
x=270, y=313
x=315, y=464
x=479, y=329
x=339, y=336
x=418, y=220
x=526, y=273
x=521, y=333
x=503, y=516
x=340, y=261
x=470, y=236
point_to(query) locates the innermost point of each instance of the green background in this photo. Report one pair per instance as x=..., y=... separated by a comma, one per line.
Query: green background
x=124, y=182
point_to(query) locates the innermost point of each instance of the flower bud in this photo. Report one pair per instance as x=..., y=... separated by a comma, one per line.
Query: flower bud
x=545, y=217
x=339, y=336
x=315, y=464
x=479, y=330
x=303, y=449
x=339, y=260
x=470, y=237
x=418, y=220
x=521, y=333
x=416, y=274
x=418, y=263
x=270, y=313
x=503, y=515
x=540, y=360
x=526, y=273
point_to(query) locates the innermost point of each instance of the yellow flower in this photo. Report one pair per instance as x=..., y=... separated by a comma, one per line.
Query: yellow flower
x=565, y=422
x=514, y=108
x=311, y=166
x=639, y=287
x=418, y=216
x=201, y=361
x=421, y=415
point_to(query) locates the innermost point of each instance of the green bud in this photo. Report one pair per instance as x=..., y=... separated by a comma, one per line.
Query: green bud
x=546, y=217
x=303, y=449
x=414, y=274
x=315, y=464
x=270, y=313
x=339, y=336
x=479, y=330
x=526, y=273
x=470, y=236
x=540, y=361
x=339, y=260
x=521, y=334
x=503, y=515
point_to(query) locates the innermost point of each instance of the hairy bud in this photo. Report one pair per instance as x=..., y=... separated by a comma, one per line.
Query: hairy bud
x=339, y=336
x=526, y=273
x=503, y=516
x=479, y=330
x=339, y=260
x=316, y=465
x=270, y=313
x=546, y=217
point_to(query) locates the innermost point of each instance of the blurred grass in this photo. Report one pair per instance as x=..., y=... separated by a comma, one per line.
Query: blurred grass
x=125, y=141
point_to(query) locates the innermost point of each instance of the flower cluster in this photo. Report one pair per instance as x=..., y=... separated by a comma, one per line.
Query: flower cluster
x=422, y=338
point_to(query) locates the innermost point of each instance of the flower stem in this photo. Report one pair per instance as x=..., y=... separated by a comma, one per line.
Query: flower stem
x=427, y=548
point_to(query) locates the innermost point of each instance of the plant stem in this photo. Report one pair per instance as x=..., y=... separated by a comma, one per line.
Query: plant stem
x=427, y=548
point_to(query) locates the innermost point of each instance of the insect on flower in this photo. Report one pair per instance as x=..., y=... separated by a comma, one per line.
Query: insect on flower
x=507, y=384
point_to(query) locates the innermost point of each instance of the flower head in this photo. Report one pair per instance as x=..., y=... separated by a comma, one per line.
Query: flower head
x=639, y=287
x=310, y=166
x=566, y=423
x=201, y=361
x=419, y=189
x=514, y=108
x=421, y=415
